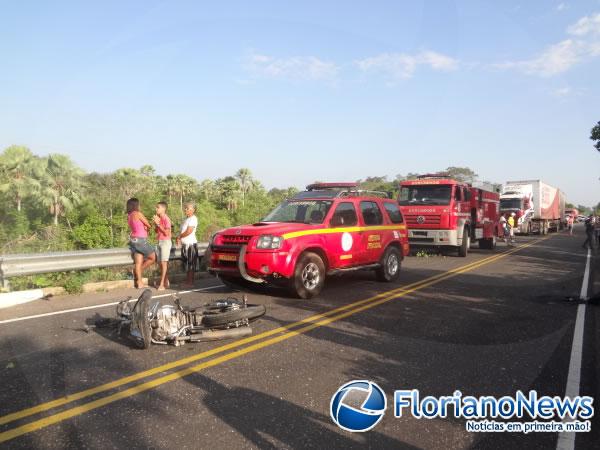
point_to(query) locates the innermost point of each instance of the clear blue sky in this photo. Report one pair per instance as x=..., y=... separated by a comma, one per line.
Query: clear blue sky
x=316, y=90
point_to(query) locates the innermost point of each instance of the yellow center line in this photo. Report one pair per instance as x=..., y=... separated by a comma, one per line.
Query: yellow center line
x=325, y=319
x=193, y=358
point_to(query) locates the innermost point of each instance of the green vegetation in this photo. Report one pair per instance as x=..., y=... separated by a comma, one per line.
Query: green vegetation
x=595, y=136
x=52, y=205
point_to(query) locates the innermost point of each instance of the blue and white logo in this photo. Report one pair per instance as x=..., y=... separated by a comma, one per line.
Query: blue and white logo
x=358, y=418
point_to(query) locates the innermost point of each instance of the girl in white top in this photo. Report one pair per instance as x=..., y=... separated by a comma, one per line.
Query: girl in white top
x=188, y=241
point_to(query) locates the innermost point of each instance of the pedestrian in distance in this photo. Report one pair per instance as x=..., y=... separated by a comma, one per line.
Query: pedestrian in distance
x=597, y=227
x=162, y=225
x=570, y=224
x=142, y=252
x=589, y=233
x=511, y=226
x=505, y=231
x=189, y=244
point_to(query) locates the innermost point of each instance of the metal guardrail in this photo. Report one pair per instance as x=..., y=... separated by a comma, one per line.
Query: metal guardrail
x=34, y=263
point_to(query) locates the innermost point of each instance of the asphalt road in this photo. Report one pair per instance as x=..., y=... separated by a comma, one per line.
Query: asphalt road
x=488, y=324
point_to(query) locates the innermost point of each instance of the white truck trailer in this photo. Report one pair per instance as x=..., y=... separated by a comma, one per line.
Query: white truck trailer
x=539, y=207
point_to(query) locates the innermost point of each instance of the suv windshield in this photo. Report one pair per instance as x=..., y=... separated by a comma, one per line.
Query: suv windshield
x=301, y=211
x=425, y=194
x=510, y=203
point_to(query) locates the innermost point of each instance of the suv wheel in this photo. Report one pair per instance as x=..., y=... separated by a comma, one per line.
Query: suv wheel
x=309, y=275
x=390, y=265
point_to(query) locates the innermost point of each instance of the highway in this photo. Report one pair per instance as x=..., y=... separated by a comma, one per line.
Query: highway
x=488, y=324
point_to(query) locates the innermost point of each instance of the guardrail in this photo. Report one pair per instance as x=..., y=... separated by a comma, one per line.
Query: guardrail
x=34, y=263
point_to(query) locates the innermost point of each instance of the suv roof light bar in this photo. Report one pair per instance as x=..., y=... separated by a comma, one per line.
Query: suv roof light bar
x=326, y=186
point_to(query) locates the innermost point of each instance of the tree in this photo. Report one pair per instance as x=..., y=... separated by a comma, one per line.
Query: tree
x=463, y=174
x=408, y=176
x=208, y=190
x=278, y=195
x=595, y=136
x=20, y=171
x=246, y=181
x=228, y=191
x=183, y=186
x=61, y=185
x=131, y=182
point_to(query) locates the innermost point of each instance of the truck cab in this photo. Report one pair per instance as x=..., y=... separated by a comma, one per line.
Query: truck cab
x=446, y=213
x=329, y=228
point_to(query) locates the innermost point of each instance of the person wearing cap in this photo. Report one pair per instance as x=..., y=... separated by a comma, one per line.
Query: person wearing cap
x=511, y=226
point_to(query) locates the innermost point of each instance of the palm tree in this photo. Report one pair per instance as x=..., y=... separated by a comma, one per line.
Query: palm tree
x=229, y=190
x=130, y=181
x=182, y=185
x=246, y=181
x=20, y=172
x=61, y=185
x=208, y=189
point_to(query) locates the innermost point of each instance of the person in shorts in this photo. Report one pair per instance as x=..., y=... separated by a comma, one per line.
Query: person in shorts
x=162, y=225
x=189, y=243
x=142, y=252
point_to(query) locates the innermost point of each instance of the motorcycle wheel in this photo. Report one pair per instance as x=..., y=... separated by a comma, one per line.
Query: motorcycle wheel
x=251, y=312
x=142, y=323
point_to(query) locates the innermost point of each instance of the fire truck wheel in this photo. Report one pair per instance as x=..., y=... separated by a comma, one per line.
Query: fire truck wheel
x=390, y=265
x=309, y=276
x=463, y=250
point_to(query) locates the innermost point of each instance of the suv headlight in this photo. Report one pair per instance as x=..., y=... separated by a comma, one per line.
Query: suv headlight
x=269, y=241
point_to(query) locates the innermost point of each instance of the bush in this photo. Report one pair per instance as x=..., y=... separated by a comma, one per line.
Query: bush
x=94, y=232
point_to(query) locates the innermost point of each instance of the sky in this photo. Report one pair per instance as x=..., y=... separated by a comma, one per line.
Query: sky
x=311, y=90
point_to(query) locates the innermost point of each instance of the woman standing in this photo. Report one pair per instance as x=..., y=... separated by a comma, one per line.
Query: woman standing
x=187, y=240
x=142, y=252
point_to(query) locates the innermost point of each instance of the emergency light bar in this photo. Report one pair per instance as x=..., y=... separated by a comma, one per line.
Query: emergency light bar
x=326, y=186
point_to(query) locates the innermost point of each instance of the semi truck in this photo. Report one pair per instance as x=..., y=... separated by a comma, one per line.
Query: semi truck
x=448, y=214
x=538, y=207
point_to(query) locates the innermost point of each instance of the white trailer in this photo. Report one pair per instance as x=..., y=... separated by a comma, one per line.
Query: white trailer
x=539, y=207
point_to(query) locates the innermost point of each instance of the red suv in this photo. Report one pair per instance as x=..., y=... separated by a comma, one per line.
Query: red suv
x=329, y=228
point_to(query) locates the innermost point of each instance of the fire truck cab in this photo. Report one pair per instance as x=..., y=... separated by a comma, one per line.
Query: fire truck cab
x=446, y=213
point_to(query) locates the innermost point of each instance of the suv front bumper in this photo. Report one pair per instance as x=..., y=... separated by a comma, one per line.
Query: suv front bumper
x=253, y=266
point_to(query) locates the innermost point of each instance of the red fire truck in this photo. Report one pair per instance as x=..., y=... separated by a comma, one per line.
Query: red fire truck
x=446, y=213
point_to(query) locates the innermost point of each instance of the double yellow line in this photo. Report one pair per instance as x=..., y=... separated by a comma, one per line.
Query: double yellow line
x=279, y=334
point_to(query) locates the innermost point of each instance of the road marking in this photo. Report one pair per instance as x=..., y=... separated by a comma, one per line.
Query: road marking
x=326, y=318
x=147, y=373
x=583, y=295
x=566, y=441
x=103, y=305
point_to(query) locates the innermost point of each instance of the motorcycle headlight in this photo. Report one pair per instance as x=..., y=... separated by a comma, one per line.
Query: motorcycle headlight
x=269, y=241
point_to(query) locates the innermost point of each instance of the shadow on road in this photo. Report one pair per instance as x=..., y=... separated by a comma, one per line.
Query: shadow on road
x=269, y=422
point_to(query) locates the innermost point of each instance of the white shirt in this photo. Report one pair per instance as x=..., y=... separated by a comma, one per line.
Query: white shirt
x=191, y=221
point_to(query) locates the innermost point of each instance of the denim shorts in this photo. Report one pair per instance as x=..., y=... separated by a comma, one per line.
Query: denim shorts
x=164, y=249
x=141, y=245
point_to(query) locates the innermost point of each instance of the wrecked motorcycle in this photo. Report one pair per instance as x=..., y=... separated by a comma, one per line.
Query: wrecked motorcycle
x=149, y=321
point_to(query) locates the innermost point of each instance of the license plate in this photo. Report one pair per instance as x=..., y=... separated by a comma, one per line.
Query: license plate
x=227, y=258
